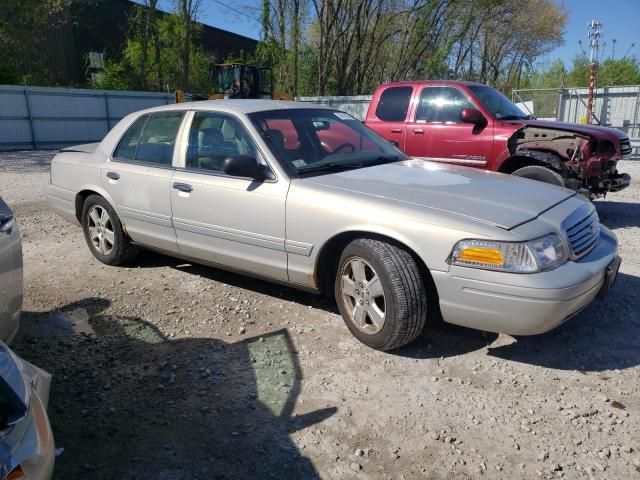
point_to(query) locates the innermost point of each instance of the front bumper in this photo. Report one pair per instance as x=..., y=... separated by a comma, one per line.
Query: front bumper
x=524, y=304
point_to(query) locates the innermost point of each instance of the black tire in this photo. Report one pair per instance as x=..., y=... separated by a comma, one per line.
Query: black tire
x=541, y=174
x=405, y=295
x=122, y=250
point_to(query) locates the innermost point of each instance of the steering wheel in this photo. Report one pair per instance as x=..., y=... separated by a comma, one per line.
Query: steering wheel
x=345, y=145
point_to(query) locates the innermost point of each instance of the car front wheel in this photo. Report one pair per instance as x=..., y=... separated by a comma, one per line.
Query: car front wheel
x=380, y=293
x=104, y=233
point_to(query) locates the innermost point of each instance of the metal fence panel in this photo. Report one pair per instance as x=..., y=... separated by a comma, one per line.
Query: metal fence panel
x=355, y=105
x=49, y=118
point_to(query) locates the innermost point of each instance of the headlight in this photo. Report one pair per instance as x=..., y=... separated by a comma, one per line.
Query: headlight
x=533, y=256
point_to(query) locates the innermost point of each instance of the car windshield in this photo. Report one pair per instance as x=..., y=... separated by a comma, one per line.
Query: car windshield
x=320, y=140
x=500, y=106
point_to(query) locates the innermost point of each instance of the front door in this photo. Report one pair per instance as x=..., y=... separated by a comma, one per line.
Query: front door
x=230, y=221
x=437, y=133
x=138, y=179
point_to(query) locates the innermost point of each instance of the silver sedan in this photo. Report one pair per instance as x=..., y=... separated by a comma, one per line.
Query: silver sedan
x=10, y=274
x=310, y=197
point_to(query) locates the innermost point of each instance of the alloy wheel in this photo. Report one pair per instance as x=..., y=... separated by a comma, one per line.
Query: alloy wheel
x=363, y=295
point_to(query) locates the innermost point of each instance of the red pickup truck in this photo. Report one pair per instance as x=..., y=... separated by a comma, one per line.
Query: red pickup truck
x=471, y=124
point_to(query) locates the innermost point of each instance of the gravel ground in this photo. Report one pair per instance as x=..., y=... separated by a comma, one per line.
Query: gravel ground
x=168, y=370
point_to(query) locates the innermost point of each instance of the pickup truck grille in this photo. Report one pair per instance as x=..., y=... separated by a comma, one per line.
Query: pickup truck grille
x=625, y=147
x=582, y=229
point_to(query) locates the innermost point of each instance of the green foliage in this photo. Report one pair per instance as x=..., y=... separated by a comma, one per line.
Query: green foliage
x=165, y=71
x=610, y=72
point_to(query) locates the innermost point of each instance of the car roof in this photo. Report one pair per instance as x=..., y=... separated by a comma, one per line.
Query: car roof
x=242, y=106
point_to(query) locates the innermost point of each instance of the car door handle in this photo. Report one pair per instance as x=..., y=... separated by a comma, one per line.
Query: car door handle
x=183, y=187
x=396, y=130
x=6, y=223
x=418, y=131
x=113, y=175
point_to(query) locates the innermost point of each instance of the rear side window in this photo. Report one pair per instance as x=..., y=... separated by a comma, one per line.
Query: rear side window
x=151, y=139
x=394, y=104
x=129, y=143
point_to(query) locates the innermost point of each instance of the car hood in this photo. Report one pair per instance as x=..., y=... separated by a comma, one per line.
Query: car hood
x=491, y=198
x=595, y=131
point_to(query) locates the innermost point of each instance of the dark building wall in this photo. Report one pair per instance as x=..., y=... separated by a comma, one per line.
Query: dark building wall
x=101, y=26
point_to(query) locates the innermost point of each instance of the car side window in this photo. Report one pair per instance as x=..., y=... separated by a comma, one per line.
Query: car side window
x=151, y=139
x=214, y=137
x=442, y=105
x=394, y=104
x=128, y=145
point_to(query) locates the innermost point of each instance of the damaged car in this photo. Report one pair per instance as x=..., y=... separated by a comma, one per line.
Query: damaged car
x=471, y=124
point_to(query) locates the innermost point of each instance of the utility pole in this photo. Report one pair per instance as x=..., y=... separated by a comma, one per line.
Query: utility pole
x=595, y=34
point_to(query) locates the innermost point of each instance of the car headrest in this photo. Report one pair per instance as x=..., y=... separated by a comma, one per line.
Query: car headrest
x=275, y=138
x=208, y=137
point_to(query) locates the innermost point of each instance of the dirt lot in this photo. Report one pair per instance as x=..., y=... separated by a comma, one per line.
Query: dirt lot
x=167, y=370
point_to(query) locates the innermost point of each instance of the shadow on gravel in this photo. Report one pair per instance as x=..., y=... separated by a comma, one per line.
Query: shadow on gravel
x=127, y=403
x=618, y=214
x=148, y=259
x=602, y=337
x=440, y=339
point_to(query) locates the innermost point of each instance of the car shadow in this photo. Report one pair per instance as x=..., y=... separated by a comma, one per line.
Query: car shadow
x=128, y=403
x=149, y=259
x=602, y=337
x=440, y=339
x=616, y=215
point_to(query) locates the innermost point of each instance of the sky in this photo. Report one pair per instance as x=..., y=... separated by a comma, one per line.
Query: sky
x=621, y=19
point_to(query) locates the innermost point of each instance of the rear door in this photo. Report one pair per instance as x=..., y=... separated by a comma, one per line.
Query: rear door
x=390, y=115
x=437, y=133
x=138, y=178
x=10, y=274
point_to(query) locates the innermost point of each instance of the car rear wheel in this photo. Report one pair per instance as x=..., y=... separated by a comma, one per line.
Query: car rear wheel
x=380, y=293
x=541, y=174
x=104, y=234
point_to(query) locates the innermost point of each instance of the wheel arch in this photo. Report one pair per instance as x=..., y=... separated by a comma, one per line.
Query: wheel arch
x=326, y=263
x=87, y=191
x=527, y=158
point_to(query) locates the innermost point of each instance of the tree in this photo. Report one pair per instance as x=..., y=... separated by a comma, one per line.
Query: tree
x=188, y=10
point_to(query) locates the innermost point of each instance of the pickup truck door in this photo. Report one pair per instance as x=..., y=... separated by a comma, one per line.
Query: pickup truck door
x=436, y=133
x=138, y=178
x=229, y=221
x=390, y=116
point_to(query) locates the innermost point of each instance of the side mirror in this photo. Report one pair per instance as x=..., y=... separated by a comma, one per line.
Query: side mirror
x=473, y=115
x=245, y=166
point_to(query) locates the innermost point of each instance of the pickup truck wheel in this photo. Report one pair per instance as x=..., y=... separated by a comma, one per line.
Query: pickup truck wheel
x=540, y=173
x=380, y=293
x=104, y=234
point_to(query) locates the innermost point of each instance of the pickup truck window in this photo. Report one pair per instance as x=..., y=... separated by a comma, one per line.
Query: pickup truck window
x=394, y=104
x=213, y=137
x=442, y=105
x=150, y=139
x=498, y=105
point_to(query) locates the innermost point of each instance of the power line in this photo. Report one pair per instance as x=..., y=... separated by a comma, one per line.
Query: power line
x=239, y=12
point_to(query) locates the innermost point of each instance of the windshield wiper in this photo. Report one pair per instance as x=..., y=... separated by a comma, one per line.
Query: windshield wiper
x=515, y=117
x=337, y=166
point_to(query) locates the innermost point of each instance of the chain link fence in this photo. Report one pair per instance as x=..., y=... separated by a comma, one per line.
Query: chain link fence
x=617, y=107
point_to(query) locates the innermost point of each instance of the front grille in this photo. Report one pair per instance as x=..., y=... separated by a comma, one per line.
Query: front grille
x=582, y=229
x=625, y=147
